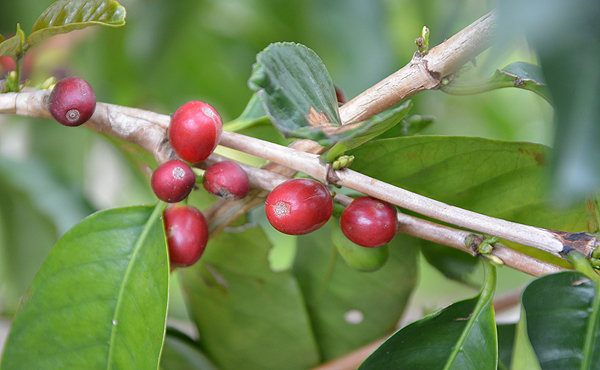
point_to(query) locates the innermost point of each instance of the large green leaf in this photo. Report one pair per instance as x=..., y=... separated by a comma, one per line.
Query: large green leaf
x=349, y=308
x=563, y=320
x=485, y=176
x=100, y=299
x=298, y=95
x=506, y=343
x=68, y=15
x=461, y=336
x=249, y=317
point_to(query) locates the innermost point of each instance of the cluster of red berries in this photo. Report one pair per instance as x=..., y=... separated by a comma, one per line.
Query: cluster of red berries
x=301, y=206
x=296, y=207
x=194, y=133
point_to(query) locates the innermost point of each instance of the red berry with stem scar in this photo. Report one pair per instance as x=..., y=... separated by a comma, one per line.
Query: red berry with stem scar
x=369, y=222
x=187, y=234
x=72, y=101
x=195, y=131
x=226, y=180
x=299, y=206
x=173, y=181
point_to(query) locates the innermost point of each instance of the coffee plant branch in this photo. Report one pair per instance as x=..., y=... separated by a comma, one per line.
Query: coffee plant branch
x=148, y=129
x=423, y=229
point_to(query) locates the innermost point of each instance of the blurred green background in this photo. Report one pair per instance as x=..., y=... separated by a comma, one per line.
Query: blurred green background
x=172, y=51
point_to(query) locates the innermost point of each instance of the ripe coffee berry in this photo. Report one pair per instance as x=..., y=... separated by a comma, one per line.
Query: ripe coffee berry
x=369, y=222
x=226, y=180
x=195, y=131
x=299, y=206
x=173, y=181
x=72, y=101
x=187, y=234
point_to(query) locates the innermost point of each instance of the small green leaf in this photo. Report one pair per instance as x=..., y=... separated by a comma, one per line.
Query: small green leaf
x=522, y=75
x=99, y=300
x=68, y=15
x=461, y=336
x=349, y=308
x=563, y=320
x=298, y=95
x=377, y=125
x=13, y=46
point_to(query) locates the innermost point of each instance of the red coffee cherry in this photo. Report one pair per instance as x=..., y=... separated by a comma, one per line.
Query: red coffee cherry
x=187, y=234
x=72, y=101
x=173, y=181
x=195, y=131
x=369, y=222
x=226, y=180
x=299, y=206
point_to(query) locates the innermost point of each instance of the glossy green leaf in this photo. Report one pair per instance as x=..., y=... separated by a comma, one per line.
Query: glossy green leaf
x=461, y=336
x=562, y=320
x=485, y=176
x=298, y=95
x=182, y=353
x=521, y=75
x=68, y=15
x=349, y=308
x=13, y=46
x=248, y=316
x=99, y=300
x=377, y=125
x=452, y=263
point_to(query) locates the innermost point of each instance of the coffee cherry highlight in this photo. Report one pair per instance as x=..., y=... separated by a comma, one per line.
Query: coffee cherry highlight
x=369, y=222
x=173, y=181
x=226, y=180
x=72, y=101
x=187, y=234
x=195, y=131
x=299, y=206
